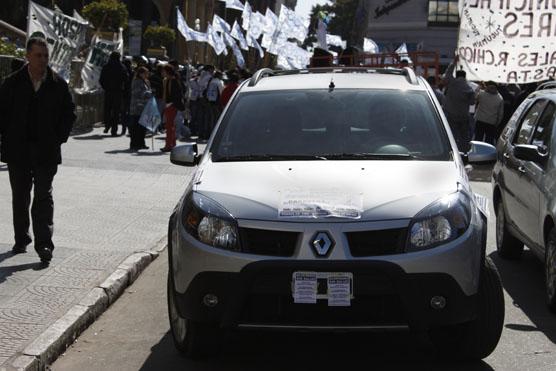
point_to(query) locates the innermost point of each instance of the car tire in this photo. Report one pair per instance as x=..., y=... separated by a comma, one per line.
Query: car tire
x=194, y=340
x=476, y=339
x=508, y=246
x=550, y=270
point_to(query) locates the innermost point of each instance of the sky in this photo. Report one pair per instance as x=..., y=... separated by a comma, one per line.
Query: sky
x=304, y=7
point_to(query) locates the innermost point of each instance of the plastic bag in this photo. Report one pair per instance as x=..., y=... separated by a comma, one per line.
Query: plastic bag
x=150, y=117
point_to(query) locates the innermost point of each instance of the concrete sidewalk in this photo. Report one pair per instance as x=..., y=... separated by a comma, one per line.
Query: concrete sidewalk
x=110, y=204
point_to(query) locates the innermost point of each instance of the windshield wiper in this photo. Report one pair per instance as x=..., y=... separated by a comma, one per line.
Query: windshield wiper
x=268, y=157
x=371, y=156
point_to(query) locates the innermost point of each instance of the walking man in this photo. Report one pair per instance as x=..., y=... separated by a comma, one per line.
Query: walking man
x=36, y=117
x=458, y=97
x=113, y=79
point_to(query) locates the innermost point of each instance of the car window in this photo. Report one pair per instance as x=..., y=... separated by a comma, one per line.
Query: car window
x=528, y=123
x=332, y=124
x=543, y=131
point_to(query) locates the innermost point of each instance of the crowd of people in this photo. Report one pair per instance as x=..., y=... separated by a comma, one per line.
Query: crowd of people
x=189, y=98
x=477, y=111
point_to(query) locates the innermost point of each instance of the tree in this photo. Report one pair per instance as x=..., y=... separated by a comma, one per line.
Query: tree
x=160, y=35
x=7, y=48
x=106, y=15
x=343, y=14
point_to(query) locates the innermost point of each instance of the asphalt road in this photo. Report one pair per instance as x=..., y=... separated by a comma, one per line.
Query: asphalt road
x=134, y=333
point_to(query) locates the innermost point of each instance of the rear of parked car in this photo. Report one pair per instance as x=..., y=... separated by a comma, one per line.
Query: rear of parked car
x=333, y=200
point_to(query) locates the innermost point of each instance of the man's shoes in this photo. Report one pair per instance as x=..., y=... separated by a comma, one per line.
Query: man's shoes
x=45, y=254
x=114, y=133
x=106, y=130
x=19, y=249
x=144, y=147
x=166, y=149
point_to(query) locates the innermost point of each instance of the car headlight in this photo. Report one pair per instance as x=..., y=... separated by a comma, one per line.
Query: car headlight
x=209, y=222
x=440, y=222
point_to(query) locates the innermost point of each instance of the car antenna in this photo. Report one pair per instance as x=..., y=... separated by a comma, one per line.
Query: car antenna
x=332, y=85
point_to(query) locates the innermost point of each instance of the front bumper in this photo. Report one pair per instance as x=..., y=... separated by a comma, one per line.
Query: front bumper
x=390, y=291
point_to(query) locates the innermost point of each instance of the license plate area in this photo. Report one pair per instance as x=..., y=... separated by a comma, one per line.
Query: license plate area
x=335, y=287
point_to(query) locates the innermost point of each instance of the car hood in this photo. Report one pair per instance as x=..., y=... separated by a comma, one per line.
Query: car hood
x=381, y=190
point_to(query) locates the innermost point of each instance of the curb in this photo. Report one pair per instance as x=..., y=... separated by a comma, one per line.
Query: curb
x=49, y=345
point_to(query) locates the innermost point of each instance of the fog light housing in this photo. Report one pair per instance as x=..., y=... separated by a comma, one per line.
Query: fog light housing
x=210, y=300
x=438, y=302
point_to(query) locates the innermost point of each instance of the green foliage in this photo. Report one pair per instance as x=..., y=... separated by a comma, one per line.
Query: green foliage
x=343, y=14
x=106, y=15
x=160, y=35
x=7, y=48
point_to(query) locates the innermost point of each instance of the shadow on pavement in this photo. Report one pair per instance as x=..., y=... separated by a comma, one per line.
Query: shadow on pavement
x=3, y=167
x=118, y=151
x=6, y=255
x=5, y=272
x=151, y=153
x=279, y=351
x=524, y=282
x=93, y=137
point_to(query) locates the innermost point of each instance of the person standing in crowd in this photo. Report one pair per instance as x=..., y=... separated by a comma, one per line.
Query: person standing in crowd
x=459, y=96
x=205, y=109
x=173, y=97
x=127, y=95
x=489, y=113
x=229, y=90
x=212, y=94
x=36, y=117
x=113, y=79
x=158, y=90
x=194, y=103
x=439, y=94
x=140, y=94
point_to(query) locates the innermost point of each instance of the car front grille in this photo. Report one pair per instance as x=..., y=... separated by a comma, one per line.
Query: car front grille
x=268, y=242
x=376, y=243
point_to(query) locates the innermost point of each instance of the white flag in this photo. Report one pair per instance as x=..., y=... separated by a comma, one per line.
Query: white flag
x=237, y=52
x=233, y=4
x=64, y=35
x=293, y=25
x=256, y=24
x=247, y=11
x=336, y=40
x=402, y=52
x=220, y=24
x=252, y=42
x=215, y=40
x=321, y=35
x=238, y=35
x=188, y=33
x=369, y=46
x=271, y=22
x=292, y=56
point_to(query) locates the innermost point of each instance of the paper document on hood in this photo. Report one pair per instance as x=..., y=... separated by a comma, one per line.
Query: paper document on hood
x=320, y=204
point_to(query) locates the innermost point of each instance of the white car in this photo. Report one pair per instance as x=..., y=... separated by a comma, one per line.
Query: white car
x=333, y=200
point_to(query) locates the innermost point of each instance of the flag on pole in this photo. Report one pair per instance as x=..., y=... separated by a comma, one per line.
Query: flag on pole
x=402, y=52
x=238, y=35
x=188, y=33
x=229, y=40
x=336, y=40
x=220, y=24
x=247, y=11
x=252, y=42
x=215, y=40
x=369, y=46
x=233, y=4
x=256, y=24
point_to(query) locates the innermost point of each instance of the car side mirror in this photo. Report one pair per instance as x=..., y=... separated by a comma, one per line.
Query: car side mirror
x=185, y=155
x=481, y=153
x=528, y=152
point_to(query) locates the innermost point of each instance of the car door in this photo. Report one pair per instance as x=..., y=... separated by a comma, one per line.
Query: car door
x=518, y=200
x=534, y=176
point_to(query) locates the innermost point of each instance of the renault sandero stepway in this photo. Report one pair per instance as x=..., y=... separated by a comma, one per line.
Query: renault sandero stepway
x=333, y=200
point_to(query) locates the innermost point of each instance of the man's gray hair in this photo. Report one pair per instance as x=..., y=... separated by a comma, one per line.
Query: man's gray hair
x=35, y=41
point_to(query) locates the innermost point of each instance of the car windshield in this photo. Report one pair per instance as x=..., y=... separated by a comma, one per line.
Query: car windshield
x=331, y=125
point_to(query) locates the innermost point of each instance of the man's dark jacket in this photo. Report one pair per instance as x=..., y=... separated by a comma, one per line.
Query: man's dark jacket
x=113, y=77
x=41, y=120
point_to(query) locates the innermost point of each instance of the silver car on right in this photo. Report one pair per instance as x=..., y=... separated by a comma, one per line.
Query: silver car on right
x=524, y=185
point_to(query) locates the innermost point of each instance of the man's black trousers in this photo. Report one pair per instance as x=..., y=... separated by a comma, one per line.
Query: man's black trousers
x=112, y=110
x=23, y=177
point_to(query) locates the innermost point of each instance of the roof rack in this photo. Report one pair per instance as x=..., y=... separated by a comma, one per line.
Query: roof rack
x=267, y=72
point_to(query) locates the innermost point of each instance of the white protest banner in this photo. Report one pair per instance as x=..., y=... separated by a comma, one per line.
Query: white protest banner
x=256, y=24
x=508, y=41
x=99, y=53
x=238, y=35
x=65, y=36
x=220, y=25
x=188, y=33
x=292, y=24
x=336, y=40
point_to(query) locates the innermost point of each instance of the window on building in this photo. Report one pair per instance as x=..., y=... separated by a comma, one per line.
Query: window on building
x=443, y=13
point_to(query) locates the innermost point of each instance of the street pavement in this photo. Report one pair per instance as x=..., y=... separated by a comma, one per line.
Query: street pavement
x=109, y=204
x=134, y=333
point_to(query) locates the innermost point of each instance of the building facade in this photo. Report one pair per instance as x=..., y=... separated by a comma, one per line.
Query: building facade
x=428, y=25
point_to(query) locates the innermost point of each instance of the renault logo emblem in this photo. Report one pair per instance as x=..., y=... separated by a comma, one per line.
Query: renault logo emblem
x=322, y=243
